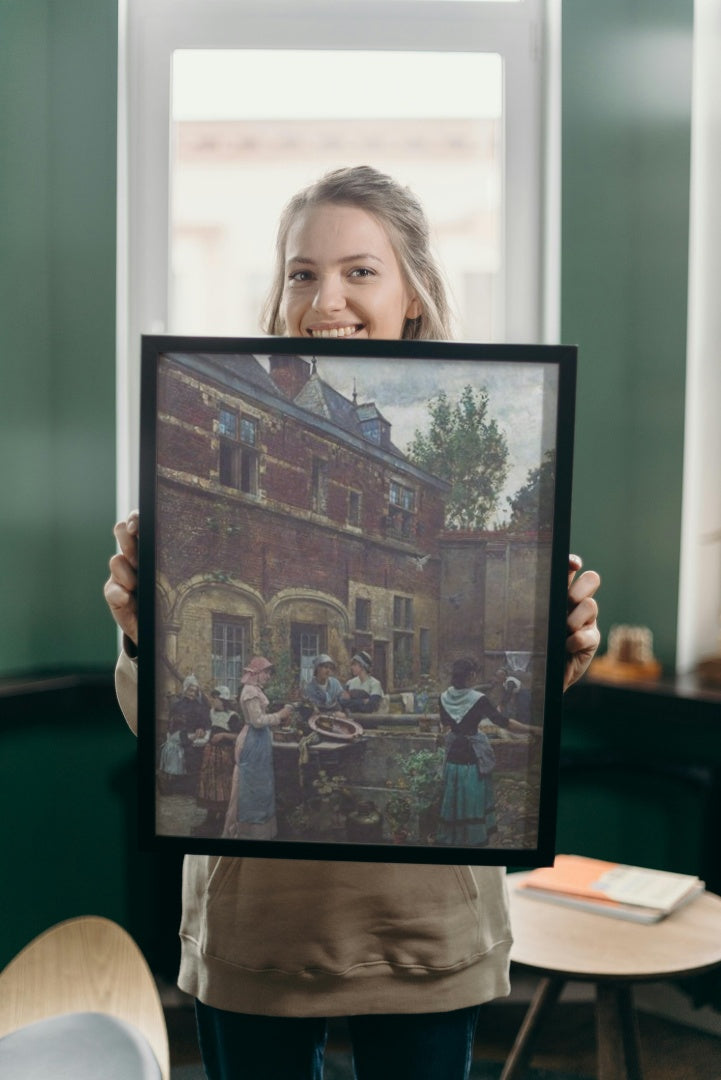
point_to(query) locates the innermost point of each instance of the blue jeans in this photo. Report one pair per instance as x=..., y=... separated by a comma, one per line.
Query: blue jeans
x=415, y=1046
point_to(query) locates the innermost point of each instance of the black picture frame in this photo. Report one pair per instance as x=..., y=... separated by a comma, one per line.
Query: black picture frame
x=280, y=517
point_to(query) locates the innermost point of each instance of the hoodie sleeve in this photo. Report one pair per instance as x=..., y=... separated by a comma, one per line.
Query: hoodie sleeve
x=126, y=688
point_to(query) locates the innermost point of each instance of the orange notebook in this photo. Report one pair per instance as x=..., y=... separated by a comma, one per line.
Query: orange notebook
x=631, y=892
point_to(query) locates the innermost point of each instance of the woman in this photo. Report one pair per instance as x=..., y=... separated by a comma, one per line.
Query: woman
x=323, y=691
x=467, y=804
x=216, y=769
x=271, y=948
x=251, y=809
x=364, y=691
x=188, y=726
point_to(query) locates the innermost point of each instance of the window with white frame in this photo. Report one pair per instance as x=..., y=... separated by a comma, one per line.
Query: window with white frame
x=227, y=108
x=231, y=650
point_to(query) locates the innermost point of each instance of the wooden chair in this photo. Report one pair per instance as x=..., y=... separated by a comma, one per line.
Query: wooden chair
x=77, y=976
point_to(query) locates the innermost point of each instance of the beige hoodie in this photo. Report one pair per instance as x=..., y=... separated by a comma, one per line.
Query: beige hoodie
x=284, y=937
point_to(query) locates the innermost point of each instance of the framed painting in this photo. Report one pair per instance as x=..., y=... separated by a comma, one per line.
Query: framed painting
x=352, y=597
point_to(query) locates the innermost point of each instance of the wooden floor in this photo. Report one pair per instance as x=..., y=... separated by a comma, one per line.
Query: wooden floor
x=567, y=1042
x=669, y=1051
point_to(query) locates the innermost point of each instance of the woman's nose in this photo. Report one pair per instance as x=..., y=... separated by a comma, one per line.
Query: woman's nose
x=329, y=296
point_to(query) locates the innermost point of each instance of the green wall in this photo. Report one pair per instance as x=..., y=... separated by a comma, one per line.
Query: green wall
x=626, y=136
x=67, y=773
x=626, y=145
x=58, y=72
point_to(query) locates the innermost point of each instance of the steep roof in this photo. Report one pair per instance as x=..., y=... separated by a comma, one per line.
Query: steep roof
x=234, y=369
x=318, y=397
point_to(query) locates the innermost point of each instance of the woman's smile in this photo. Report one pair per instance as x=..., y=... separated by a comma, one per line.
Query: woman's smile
x=334, y=331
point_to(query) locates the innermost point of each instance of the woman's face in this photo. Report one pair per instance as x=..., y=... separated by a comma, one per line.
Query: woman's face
x=342, y=277
x=322, y=672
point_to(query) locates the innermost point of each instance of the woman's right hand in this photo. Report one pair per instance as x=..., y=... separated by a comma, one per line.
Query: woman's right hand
x=121, y=587
x=285, y=713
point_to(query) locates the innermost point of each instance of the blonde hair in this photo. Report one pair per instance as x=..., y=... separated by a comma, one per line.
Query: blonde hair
x=403, y=217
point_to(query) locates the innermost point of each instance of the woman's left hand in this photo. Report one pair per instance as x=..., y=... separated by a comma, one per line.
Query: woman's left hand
x=583, y=635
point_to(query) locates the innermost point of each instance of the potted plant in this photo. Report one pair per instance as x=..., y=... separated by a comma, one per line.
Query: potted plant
x=398, y=815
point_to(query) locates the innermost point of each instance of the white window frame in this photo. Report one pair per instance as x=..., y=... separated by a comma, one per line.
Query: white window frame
x=525, y=34
x=699, y=600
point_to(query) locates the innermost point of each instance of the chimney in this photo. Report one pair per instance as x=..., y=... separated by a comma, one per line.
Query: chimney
x=289, y=373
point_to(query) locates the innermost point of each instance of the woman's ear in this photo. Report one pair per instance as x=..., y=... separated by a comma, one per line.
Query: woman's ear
x=415, y=309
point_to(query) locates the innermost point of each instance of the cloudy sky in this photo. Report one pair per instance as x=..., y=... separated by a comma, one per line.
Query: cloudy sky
x=522, y=400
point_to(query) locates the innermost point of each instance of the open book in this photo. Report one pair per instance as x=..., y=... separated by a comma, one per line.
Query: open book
x=608, y=888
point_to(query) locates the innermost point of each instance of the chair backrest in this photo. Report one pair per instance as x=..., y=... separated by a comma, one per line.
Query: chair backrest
x=87, y=964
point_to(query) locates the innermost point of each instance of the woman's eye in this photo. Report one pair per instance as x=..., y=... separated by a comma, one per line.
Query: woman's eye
x=300, y=276
x=362, y=272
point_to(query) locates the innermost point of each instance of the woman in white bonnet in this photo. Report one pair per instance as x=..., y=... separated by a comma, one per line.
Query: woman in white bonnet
x=364, y=690
x=251, y=810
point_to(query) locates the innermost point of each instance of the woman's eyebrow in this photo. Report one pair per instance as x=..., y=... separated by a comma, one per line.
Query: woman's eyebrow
x=360, y=257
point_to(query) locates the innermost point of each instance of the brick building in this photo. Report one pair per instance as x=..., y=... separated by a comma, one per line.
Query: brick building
x=288, y=521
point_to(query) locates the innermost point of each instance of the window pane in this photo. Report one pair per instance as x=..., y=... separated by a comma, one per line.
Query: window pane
x=227, y=423
x=239, y=155
x=248, y=430
x=354, y=508
x=424, y=642
x=362, y=614
x=230, y=652
x=319, y=486
x=228, y=463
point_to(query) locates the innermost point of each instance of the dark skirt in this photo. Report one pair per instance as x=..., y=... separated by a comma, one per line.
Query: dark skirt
x=467, y=806
x=216, y=775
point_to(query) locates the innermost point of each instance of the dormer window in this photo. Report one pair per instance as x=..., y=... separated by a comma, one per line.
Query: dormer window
x=375, y=428
x=372, y=430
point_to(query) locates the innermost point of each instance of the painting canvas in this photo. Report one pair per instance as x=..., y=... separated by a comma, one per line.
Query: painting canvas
x=352, y=597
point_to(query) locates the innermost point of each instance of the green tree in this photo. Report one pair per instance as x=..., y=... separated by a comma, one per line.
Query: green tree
x=465, y=446
x=532, y=505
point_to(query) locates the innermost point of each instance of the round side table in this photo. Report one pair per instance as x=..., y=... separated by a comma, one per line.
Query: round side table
x=563, y=944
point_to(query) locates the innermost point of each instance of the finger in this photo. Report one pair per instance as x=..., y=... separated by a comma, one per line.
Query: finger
x=126, y=534
x=582, y=614
x=117, y=597
x=123, y=608
x=583, y=641
x=575, y=563
x=123, y=572
x=127, y=542
x=584, y=586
